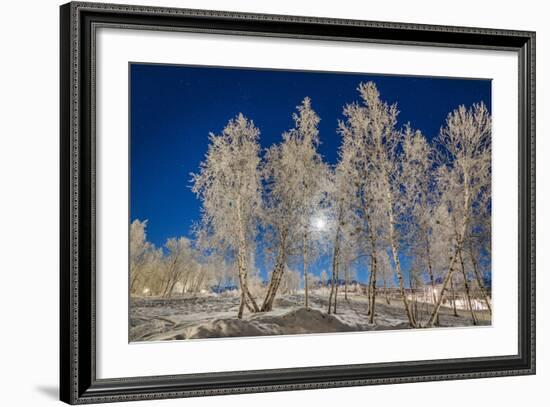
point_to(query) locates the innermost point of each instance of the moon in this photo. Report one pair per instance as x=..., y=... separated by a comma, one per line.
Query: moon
x=320, y=223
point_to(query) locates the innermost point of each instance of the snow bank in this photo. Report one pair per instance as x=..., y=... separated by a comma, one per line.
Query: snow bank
x=297, y=321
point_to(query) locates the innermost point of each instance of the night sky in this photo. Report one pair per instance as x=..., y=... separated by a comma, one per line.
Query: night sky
x=174, y=107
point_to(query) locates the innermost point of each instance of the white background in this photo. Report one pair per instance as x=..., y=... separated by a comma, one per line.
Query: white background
x=29, y=205
x=116, y=358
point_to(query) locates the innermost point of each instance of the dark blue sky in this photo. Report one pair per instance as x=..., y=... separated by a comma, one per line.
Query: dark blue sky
x=173, y=109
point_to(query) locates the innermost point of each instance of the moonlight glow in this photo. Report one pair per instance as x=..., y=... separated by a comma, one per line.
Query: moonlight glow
x=320, y=223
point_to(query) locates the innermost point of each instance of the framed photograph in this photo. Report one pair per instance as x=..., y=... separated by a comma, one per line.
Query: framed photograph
x=255, y=203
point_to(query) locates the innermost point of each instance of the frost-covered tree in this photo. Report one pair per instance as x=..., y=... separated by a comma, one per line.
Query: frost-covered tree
x=371, y=129
x=182, y=267
x=478, y=251
x=229, y=186
x=342, y=198
x=280, y=213
x=139, y=249
x=145, y=261
x=222, y=272
x=419, y=190
x=354, y=169
x=180, y=264
x=290, y=282
x=465, y=157
x=295, y=174
x=442, y=245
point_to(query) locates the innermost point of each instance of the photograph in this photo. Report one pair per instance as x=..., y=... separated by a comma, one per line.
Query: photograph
x=257, y=201
x=284, y=202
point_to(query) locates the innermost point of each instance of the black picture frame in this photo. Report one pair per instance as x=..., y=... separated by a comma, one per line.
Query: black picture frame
x=78, y=382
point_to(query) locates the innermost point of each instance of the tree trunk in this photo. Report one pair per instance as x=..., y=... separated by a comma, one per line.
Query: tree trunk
x=414, y=305
x=459, y=244
x=368, y=286
x=305, y=243
x=455, y=313
x=171, y=289
x=386, y=290
x=199, y=281
x=243, y=292
x=331, y=293
x=372, y=287
x=479, y=279
x=435, y=312
x=401, y=281
x=273, y=288
x=467, y=288
x=337, y=284
x=242, y=264
x=241, y=305
x=248, y=306
x=335, y=255
x=251, y=298
x=167, y=288
x=335, y=260
x=395, y=253
x=373, y=268
x=135, y=276
x=431, y=273
x=163, y=286
x=346, y=275
x=276, y=276
x=247, y=296
x=172, y=275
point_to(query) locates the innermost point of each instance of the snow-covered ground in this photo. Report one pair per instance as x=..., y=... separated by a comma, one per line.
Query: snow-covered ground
x=215, y=316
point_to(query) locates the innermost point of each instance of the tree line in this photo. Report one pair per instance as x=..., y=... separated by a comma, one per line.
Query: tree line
x=417, y=210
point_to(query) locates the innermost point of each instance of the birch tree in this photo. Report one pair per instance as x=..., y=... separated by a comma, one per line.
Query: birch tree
x=372, y=126
x=290, y=282
x=364, y=194
x=295, y=173
x=229, y=187
x=465, y=156
x=179, y=263
x=342, y=196
x=281, y=211
x=139, y=250
x=146, y=266
x=338, y=221
x=418, y=188
x=478, y=246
